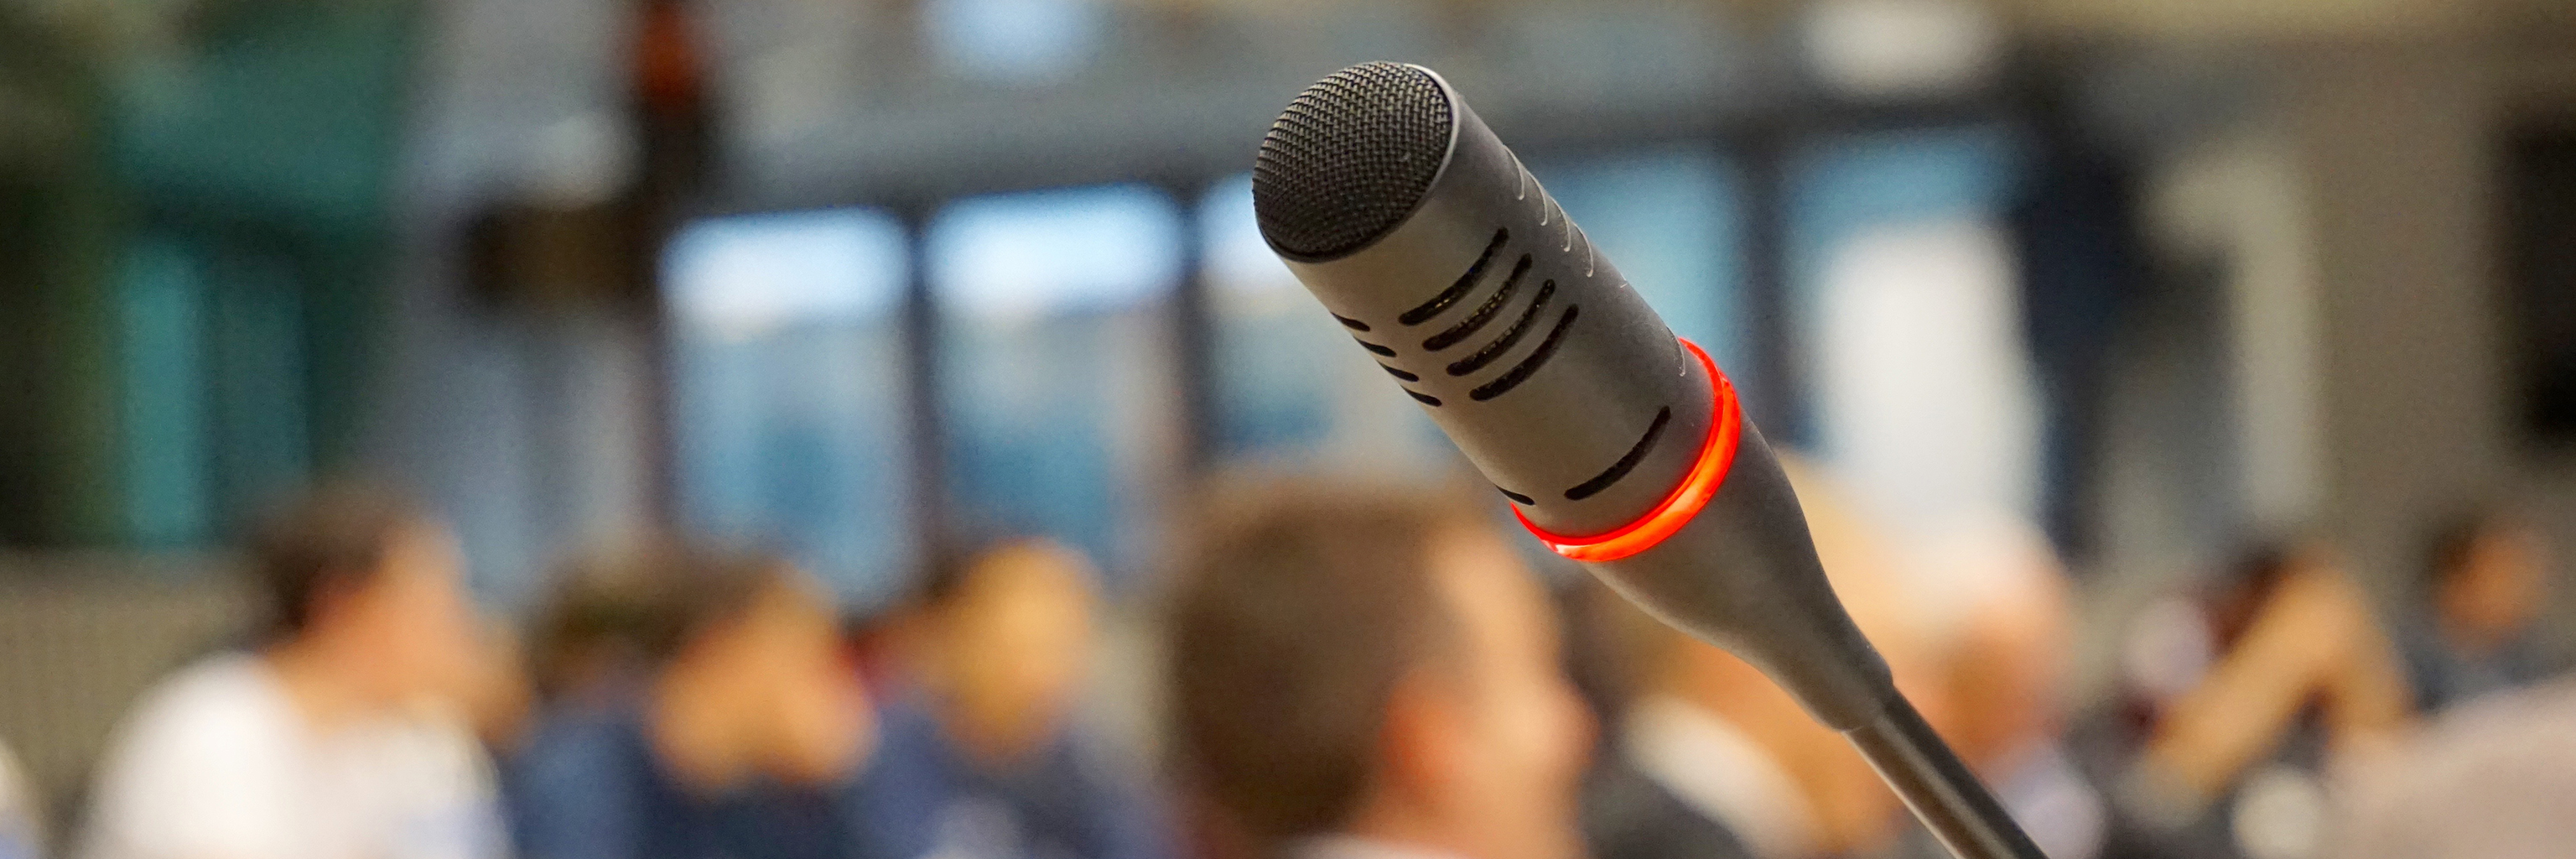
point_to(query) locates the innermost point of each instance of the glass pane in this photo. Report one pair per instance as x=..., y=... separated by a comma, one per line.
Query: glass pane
x=165, y=394
x=1014, y=41
x=1908, y=310
x=790, y=388
x=1291, y=390
x=1056, y=375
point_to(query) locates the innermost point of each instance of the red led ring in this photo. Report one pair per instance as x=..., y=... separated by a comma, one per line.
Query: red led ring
x=1716, y=455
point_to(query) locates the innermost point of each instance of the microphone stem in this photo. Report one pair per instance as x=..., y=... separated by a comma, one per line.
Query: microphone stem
x=1943, y=793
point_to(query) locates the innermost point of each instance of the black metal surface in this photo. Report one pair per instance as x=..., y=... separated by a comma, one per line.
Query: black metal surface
x=1943, y=793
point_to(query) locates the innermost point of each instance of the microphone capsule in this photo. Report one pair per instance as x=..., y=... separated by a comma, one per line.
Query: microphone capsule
x=1617, y=444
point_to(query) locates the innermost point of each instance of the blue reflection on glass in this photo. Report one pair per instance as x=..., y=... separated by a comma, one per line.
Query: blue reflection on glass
x=1018, y=41
x=1853, y=184
x=788, y=354
x=1055, y=371
x=1849, y=186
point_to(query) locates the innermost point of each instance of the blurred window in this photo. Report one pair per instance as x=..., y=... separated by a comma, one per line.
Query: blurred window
x=166, y=399
x=1015, y=41
x=790, y=385
x=1905, y=296
x=1291, y=390
x=1056, y=375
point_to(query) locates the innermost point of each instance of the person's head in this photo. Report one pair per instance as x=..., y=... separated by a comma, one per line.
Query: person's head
x=2258, y=573
x=1378, y=664
x=740, y=642
x=2486, y=577
x=372, y=585
x=1008, y=636
x=2003, y=626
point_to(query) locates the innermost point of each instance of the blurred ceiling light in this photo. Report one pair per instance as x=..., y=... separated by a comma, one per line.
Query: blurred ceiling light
x=1020, y=257
x=1881, y=49
x=1014, y=41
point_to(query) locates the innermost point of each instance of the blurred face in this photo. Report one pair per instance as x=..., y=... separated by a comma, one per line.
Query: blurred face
x=2005, y=678
x=412, y=623
x=2502, y=585
x=1017, y=647
x=802, y=698
x=1509, y=738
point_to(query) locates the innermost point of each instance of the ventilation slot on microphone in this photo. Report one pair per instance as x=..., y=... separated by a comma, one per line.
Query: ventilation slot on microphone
x=1347, y=322
x=1456, y=291
x=1516, y=496
x=1626, y=463
x=1510, y=336
x=1484, y=312
x=1400, y=374
x=1517, y=375
x=1426, y=399
x=1374, y=347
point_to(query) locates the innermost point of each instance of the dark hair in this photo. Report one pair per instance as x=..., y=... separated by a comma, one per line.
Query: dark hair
x=949, y=561
x=634, y=607
x=1291, y=623
x=333, y=538
x=2260, y=567
x=2448, y=546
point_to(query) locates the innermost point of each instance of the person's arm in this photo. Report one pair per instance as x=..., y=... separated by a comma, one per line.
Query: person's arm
x=2316, y=637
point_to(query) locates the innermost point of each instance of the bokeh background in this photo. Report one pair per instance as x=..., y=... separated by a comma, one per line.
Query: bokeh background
x=836, y=274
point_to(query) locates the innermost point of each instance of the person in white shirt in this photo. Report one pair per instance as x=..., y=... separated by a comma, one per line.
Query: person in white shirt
x=336, y=739
x=1373, y=676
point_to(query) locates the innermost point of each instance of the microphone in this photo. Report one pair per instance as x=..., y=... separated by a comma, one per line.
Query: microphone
x=1619, y=445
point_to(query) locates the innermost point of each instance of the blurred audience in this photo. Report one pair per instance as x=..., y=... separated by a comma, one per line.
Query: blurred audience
x=2304, y=686
x=340, y=735
x=980, y=759
x=1366, y=676
x=2485, y=580
x=2003, y=631
x=699, y=708
x=21, y=834
x=1708, y=758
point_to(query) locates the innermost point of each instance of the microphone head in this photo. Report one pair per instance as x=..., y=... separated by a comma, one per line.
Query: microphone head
x=1350, y=158
x=1618, y=445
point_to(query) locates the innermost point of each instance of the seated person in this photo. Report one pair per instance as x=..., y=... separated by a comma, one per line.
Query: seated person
x=737, y=730
x=338, y=737
x=2304, y=683
x=1707, y=757
x=1371, y=676
x=2486, y=578
x=2002, y=626
x=979, y=760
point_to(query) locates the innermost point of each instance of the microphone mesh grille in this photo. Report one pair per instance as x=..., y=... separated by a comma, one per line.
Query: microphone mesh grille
x=1350, y=159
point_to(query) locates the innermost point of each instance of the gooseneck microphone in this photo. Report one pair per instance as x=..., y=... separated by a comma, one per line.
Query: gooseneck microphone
x=1618, y=445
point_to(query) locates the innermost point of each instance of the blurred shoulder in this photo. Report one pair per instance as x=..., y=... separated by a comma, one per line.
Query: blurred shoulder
x=231, y=705
x=2488, y=778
